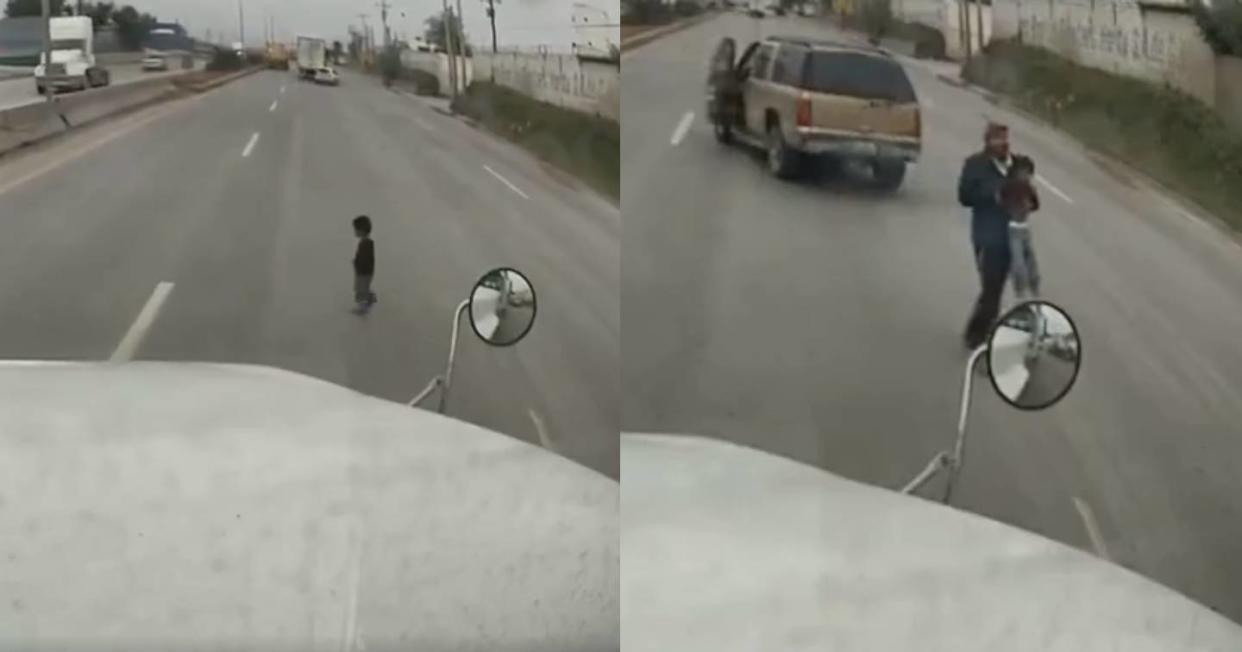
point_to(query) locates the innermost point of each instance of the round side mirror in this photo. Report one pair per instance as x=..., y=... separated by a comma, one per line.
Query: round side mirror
x=1034, y=355
x=502, y=307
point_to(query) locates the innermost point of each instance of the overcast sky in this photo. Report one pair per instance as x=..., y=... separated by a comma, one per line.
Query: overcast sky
x=518, y=22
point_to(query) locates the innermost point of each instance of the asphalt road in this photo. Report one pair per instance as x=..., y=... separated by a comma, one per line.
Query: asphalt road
x=821, y=321
x=242, y=199
x=21, y=91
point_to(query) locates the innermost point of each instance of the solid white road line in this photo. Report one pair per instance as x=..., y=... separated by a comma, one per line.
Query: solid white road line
x=1093, y=528
x=1055, y=190
x=679, y=132
x=506, y=182
x=138, y=330
x=544, y=439
x=254, y=138
x=273, y=106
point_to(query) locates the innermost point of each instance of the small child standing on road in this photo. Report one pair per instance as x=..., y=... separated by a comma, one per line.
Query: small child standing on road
x=364, y=265
x=1020, y=200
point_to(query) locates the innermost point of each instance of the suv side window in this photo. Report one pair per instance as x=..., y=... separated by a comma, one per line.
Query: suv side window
x=759, y=64
x=789, y=64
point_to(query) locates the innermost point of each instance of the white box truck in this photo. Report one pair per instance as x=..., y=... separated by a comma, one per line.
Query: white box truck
x=312, y=56
x=73, y=63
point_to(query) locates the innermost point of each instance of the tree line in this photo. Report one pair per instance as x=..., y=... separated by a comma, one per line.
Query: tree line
x=131, y=25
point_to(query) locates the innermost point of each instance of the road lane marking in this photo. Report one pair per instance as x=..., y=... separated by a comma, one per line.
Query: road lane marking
x=506, y=182
x=1055, y=190
x=1093, y=528
x=544, y=439
x=282, y=89
x=254, y=138
x=138, y=330
x=273, y=106
x=682, y=127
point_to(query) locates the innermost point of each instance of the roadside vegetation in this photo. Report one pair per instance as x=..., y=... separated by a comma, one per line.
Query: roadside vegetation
x=225, y=59
x=1169, y=135
x=875, y=18
x=585, y=146
x=1221, y=25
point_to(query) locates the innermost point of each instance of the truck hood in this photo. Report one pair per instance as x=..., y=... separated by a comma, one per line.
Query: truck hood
x=731, y=549
x=209, y=506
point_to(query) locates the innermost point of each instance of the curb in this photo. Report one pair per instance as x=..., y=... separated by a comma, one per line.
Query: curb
x=644, y=38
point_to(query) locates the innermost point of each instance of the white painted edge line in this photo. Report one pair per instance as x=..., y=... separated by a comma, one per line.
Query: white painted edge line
x=1055, y=190
x=138, y=330
x=679, y=132
x=273, y=106
x=544, y=439
x=254, y=138
x=506, y=182
x=1093, y=528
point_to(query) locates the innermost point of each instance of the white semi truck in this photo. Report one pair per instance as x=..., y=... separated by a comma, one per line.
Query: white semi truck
x=312, y=56
x=73, y=65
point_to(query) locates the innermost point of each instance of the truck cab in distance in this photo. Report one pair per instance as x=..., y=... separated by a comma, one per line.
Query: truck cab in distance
x=72, y=65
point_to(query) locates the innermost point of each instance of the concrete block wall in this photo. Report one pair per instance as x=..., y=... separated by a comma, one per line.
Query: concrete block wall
x=565, y=80
x=1162, y=45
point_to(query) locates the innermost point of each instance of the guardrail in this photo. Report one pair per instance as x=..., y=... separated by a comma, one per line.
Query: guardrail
x=26, y=125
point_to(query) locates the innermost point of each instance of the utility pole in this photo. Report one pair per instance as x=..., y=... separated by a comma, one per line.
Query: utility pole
x=461, y=47
x=965, y=31
x=491, y=16
x=447, y=24
x=383, y=6
x=362, y=18
x=241, y=23
x=47, y=49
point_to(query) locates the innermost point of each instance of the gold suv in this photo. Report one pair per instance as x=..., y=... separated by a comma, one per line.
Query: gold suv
x=797, y=97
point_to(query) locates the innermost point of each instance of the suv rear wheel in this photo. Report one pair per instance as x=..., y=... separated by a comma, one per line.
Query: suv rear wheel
x=889, y=174
x=782, y=161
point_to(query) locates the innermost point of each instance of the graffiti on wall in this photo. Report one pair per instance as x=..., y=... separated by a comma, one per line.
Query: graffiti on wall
x=559, y=79
x=1141, y=45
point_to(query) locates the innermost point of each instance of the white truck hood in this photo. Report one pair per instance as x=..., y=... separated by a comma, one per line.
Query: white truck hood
x=730, y=549
x=199, y=506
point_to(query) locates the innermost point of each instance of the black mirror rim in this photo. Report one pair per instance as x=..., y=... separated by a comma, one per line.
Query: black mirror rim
x=534, y=300
x=1077, y=362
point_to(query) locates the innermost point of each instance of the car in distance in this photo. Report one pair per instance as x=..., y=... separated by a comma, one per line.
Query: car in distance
x=327, y=76
x=798, y=98
x=153, y=61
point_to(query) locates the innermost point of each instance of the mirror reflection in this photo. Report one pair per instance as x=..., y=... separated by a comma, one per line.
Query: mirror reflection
x=502, y=307
x=1034, y=355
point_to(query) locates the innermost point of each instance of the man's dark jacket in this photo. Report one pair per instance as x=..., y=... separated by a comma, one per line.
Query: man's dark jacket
x=979, y=189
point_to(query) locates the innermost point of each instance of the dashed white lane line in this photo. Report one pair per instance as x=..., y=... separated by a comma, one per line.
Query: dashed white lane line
x=138, y=330
x=544, y=439
x=1093, y=528
x=683, y=126
x=254, y=138
x=506, y=182
x=275, y=103
x=1055, y=190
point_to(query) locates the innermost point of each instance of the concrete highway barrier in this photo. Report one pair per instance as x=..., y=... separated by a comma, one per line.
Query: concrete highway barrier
x=32, y=123
x=28, y=124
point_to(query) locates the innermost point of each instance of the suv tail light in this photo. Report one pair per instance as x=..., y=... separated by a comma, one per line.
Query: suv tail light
x=804, y=111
